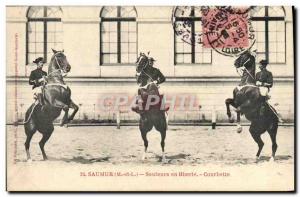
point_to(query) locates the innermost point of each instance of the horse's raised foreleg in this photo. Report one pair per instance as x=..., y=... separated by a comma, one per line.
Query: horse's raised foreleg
x=45, y=138
x=75, y=107
x=245, y=106
x=59, y=104
x=64, y=120
x=229, y=102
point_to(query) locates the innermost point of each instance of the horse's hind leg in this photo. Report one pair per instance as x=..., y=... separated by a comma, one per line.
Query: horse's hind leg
x=144, y=136
x=145, y=126
x=239, y=128
x=273, y=132
x=257, y=138
x=75, y=107
x=29, y=131
x=260, y=143
x=161, y=126
x=46, y=135
x=162, y=143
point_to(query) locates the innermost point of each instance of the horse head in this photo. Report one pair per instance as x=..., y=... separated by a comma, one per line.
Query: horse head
x=59, y=61
x=245, y=67
x=244, y=60
x=142, y=62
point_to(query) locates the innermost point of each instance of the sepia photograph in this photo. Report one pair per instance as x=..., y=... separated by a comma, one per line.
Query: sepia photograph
x=123, y=98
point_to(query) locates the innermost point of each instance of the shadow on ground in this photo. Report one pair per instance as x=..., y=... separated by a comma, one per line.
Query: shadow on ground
x=83, y=160
x=171, y=159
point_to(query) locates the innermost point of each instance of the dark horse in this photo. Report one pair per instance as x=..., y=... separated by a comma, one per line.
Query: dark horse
x=246, y=99
x=57, y=97
x=154, y=115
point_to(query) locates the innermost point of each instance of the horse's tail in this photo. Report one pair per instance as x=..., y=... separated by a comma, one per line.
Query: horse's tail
x=29, y=113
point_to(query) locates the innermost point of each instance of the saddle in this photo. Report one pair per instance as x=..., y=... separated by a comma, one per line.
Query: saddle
x=41, y=97
x=142, y=98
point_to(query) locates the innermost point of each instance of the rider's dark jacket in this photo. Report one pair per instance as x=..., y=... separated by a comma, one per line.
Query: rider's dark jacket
x=150, y=74
x=265, y=76
x=35, y=75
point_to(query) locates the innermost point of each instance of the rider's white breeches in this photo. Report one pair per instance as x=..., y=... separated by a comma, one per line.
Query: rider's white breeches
x=264, y=91
x=36, y=91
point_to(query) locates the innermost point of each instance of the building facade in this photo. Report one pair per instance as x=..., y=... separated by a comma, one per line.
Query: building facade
x=103, y=43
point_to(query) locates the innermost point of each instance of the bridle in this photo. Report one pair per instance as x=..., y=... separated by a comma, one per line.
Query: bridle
x=58, y=64
x=142, y=71
x=249, y=74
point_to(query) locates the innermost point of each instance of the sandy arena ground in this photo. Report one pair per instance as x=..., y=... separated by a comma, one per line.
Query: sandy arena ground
x=190, y=146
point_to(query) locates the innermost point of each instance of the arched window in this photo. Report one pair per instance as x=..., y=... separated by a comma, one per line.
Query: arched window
x=44, y=31
x=269, y=25
x=189, y=51
x=118, y=35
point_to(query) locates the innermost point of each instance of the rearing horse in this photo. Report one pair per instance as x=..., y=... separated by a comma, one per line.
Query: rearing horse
x=154, y=115
x=246, y=100
x=57, y=97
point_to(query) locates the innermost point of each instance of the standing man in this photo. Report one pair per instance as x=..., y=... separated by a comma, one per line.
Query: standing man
x=264, y=79
x=37, y=79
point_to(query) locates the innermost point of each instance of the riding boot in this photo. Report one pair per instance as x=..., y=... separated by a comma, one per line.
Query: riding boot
x=136, y=109
x=262, y=106
x=40, y=99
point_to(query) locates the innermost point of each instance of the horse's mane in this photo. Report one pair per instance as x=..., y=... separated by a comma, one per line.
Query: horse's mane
x=245, y=60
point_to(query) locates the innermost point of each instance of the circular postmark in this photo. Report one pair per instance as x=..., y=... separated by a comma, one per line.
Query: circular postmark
x=228, y=31
x=185, y=20
x=234, y=9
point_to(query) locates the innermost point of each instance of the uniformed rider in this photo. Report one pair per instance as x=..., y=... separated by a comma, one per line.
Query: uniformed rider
x=148, y=75
x=264, y=79
x=37, y=79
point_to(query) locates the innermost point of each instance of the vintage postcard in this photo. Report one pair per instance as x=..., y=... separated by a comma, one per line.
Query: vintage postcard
x=150, y=98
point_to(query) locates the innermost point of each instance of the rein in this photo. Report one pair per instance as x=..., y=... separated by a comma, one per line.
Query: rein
x=238, y=72
x=145, y=86
x=249, y=74
x=57, y=62
x=247, y=69
x=147, y=75
x=54, y=72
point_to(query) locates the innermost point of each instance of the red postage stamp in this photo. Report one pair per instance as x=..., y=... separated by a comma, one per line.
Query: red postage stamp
x=226, y=29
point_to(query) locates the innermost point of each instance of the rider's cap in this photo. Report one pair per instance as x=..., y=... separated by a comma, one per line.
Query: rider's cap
x=39, y=59
x=263, y=62
x=151, y=59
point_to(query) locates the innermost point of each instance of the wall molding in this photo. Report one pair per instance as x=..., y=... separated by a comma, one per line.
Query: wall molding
x=211, y=79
